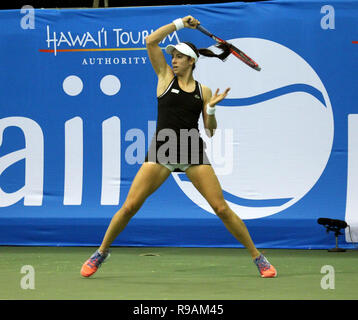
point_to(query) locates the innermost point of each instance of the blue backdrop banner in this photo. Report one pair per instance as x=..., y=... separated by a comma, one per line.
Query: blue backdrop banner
x=78, y=109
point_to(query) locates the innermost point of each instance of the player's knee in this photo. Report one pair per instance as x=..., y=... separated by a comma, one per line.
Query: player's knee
x=130, y=208
x=221, y=209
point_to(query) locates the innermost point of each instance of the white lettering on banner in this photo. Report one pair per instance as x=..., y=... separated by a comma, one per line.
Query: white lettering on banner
x=75, y=40
x=33, y=153
x=32, y=192
x=63, y=39
x=73, y=162
x=117, y=60
x=71, y=41
x=352, y=180
x=100, y=39
x=123, y=38
x=104, y=37
x=170, y=37
x=49, y=40
x=111, y=161
x=328, y=21
x=89, y=38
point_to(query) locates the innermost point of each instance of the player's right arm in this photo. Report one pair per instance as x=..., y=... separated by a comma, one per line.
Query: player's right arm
x=155, y=53
x=156, y=56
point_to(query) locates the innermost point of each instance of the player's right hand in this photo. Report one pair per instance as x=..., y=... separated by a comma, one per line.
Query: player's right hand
x=190, y=22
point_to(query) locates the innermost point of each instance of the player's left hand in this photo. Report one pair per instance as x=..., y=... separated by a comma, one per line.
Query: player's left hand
x=217, y=97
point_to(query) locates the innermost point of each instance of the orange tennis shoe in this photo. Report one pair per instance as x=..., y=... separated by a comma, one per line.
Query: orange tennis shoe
x=266, y=269
x=93, y=263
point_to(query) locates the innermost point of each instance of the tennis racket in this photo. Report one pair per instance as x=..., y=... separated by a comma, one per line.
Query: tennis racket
x=235, y=51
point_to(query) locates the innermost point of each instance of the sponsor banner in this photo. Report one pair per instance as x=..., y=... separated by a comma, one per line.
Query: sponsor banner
x=78, y=111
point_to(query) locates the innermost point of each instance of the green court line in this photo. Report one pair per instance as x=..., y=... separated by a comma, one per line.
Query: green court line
x=136, y=273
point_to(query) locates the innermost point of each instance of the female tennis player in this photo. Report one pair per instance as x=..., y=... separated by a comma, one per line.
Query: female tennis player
x=181, y=100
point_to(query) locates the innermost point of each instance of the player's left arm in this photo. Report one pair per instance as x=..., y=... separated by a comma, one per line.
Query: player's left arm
x=210, y=101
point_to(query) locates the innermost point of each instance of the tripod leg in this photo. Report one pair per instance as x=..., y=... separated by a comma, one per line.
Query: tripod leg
x=336, y=249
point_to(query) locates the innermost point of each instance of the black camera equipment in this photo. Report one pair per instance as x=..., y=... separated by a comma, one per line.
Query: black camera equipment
x=335, y=226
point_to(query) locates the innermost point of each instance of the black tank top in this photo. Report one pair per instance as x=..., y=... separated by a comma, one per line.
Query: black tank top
x=178, y=115
x=178, y=109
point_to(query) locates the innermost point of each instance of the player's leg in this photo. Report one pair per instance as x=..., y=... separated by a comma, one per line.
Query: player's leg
x=206, y=182
x=149, y=177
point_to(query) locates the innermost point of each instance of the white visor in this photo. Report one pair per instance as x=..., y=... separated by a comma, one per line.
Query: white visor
x=183, y=48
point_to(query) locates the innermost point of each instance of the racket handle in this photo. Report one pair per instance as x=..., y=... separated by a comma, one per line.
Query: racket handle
x=203, y=30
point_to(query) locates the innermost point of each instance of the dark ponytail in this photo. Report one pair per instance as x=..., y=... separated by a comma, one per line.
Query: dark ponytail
x=222, y=56
x=208, y=53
